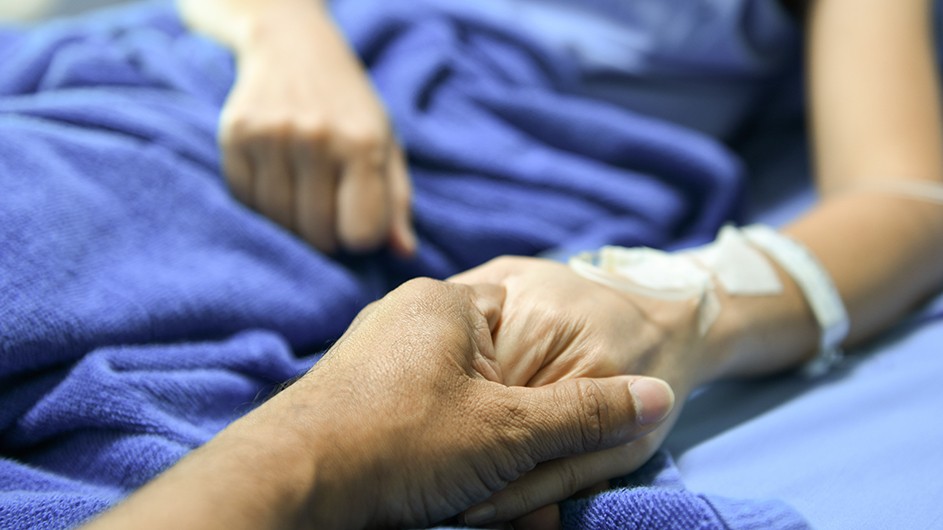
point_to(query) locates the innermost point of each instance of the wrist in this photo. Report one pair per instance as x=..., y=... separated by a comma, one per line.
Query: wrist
x=241, y=25
x=292, y=442
x=761, y=335
x=287, y=23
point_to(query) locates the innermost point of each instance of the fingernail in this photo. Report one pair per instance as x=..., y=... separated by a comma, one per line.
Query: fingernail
x=654, y=400
x=481, y=514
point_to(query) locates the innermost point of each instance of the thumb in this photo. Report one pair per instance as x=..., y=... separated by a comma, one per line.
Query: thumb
x=585, y=415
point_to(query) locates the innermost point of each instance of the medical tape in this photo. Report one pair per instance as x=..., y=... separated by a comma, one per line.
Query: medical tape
x=817, y=288
x=654, y=274
x=739, y=267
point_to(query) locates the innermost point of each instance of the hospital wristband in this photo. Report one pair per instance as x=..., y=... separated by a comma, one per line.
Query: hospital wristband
x=817, y=287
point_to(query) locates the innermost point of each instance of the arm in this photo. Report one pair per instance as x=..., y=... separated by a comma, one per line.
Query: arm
x=876, y=115
x=398, y=426
x=305, y=140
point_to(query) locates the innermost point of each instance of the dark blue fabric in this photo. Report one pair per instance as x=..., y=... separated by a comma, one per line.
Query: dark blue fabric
x=142, y=308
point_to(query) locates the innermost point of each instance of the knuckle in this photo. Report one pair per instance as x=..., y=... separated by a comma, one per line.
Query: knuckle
x=423, y=288
x=244, y=129
x=317, y=132
x=274, y=128
x=521, y=500
x=568, y=479
x=594, y=415
x=370, y=143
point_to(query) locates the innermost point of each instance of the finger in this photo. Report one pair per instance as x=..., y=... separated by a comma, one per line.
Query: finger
x=546, y=518
x=273, y=183
x=237, y=166
x=403, y=238
x=489, y=299
x=315, y=197
x=558, y=480
x=596, y=488
x=363, y=199
x=584, y=415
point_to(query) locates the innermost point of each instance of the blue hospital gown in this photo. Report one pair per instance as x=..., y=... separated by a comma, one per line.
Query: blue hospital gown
x=699, y=63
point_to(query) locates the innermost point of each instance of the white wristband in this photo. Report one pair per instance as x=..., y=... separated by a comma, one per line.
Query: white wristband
x=816, y=285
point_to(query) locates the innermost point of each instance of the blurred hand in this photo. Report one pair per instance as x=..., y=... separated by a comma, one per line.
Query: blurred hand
x=556, y=325
x=306, y=141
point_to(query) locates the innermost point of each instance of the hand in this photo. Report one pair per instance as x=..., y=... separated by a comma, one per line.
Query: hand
x=429, y=429
x=557, y=325
x=401, y=424
x=306, y=141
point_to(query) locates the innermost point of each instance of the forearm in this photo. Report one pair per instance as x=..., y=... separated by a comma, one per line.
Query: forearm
x=261, y=472
x=876, y=115
x=244, y=24
x=874, y=92
x=883, y=254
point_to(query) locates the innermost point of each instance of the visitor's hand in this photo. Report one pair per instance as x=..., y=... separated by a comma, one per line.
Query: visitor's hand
x=401, y=424
x=306, y=141
x=556, y=325
x=425, y=427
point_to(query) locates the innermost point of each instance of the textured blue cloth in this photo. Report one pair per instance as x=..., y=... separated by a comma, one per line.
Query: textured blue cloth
x=655, y=497
x=142, y=308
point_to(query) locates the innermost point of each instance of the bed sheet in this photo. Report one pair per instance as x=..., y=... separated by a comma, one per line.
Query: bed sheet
x=858, y=449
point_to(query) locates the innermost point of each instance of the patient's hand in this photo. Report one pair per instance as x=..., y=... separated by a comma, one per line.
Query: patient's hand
x=557, y=325
x=306, y=141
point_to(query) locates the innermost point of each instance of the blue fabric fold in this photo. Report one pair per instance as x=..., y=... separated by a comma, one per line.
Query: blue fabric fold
x=655, y=497
x=142, y=308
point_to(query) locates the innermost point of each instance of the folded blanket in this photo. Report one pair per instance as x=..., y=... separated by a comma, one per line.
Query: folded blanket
x=142, y=308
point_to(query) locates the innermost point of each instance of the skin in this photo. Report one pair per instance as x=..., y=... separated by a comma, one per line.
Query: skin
x=412, y=381
x=557, y=325
x=876, y=114
x=304, y=138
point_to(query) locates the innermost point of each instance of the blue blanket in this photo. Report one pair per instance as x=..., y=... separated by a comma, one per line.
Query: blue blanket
x=142, y=309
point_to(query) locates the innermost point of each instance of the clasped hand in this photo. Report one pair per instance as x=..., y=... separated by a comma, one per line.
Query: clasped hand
x=556, y=325
x=406, y=422
x=428, y=419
